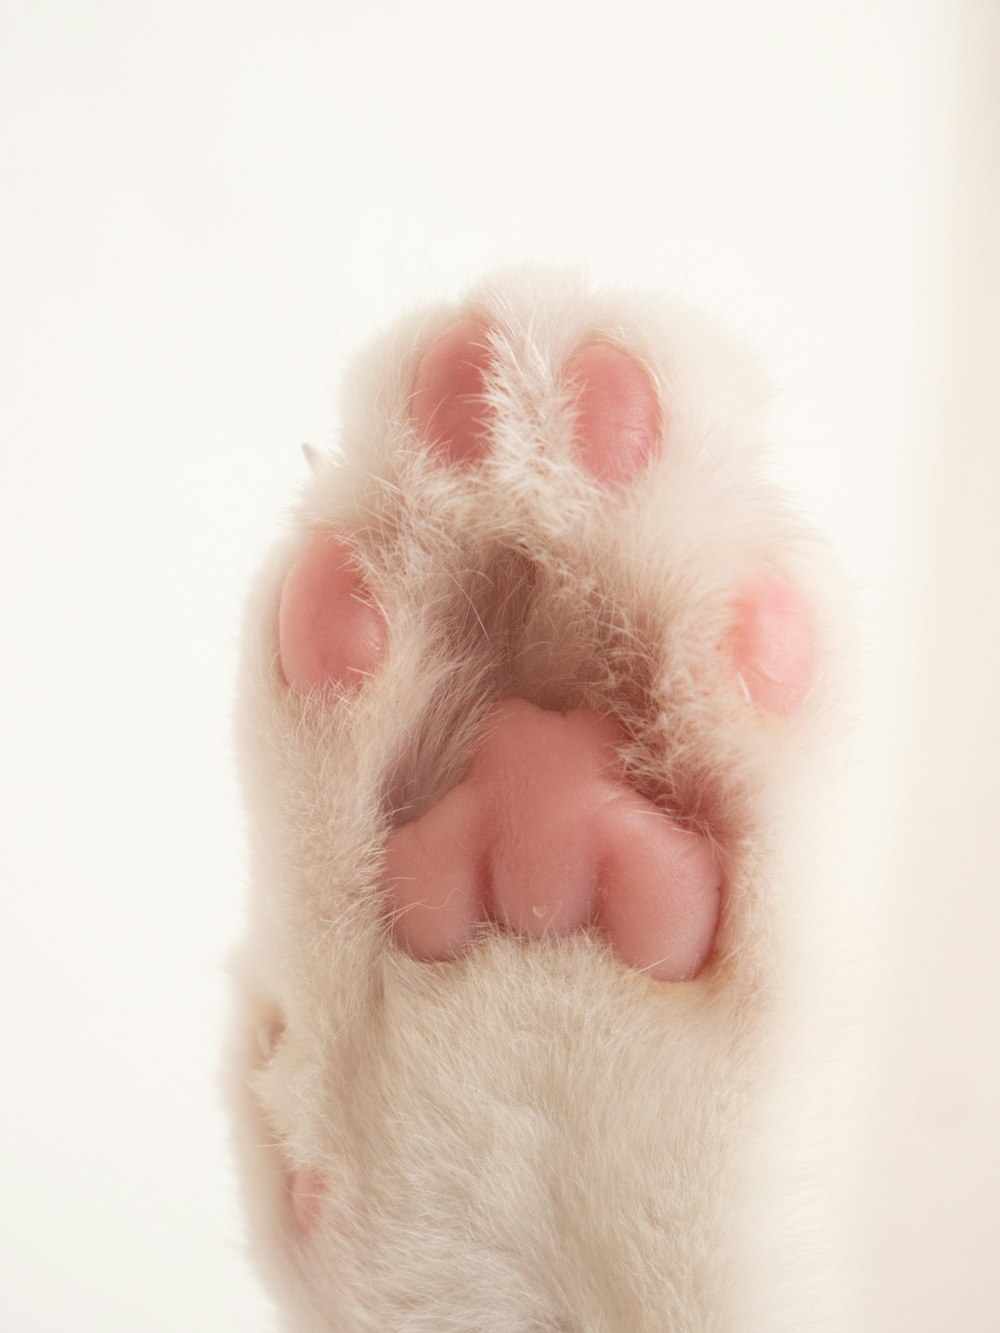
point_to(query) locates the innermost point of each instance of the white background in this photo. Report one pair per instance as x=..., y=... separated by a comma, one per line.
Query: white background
x=206, y=208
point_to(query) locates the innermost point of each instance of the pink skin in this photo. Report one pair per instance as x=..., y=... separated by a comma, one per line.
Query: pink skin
x=446, y=404
x=542, y=835
x=618, y=414
x=618, y=422
x=328, y=633
x=772, y=644
x=306, y=1188
x=662, y=891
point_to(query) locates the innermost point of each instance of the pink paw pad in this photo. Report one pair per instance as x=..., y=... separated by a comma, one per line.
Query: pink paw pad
x=618, y=421
x=447, y=404
x=543, y=836
x=329, y=633
x=773, y=646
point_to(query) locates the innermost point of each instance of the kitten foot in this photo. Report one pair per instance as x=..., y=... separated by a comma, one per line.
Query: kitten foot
x=528, y=689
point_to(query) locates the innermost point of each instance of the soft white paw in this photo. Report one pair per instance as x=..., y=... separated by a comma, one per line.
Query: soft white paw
x=527, y=688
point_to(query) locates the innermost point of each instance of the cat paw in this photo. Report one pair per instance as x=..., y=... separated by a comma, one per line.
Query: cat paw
x=521, y=683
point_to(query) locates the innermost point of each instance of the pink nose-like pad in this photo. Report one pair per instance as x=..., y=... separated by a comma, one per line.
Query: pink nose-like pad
x=447, y=405
x=618, y=420
x=773, y=645
x=329, y=633
x=543, y=836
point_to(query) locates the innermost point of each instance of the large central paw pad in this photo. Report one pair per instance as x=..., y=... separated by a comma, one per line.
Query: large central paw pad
x=543, y=836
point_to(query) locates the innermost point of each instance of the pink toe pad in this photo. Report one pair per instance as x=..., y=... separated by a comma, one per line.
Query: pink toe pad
x=544, y=837
x=328, y=632
x=447, y=406
x=773, y=645
x=618, y=415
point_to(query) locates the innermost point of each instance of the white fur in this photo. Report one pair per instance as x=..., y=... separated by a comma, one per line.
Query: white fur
x=533, y=1137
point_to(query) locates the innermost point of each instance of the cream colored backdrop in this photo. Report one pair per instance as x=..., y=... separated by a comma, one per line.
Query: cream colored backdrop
x=205, y=209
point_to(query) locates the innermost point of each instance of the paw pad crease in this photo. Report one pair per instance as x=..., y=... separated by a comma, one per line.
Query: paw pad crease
x=543, y=836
